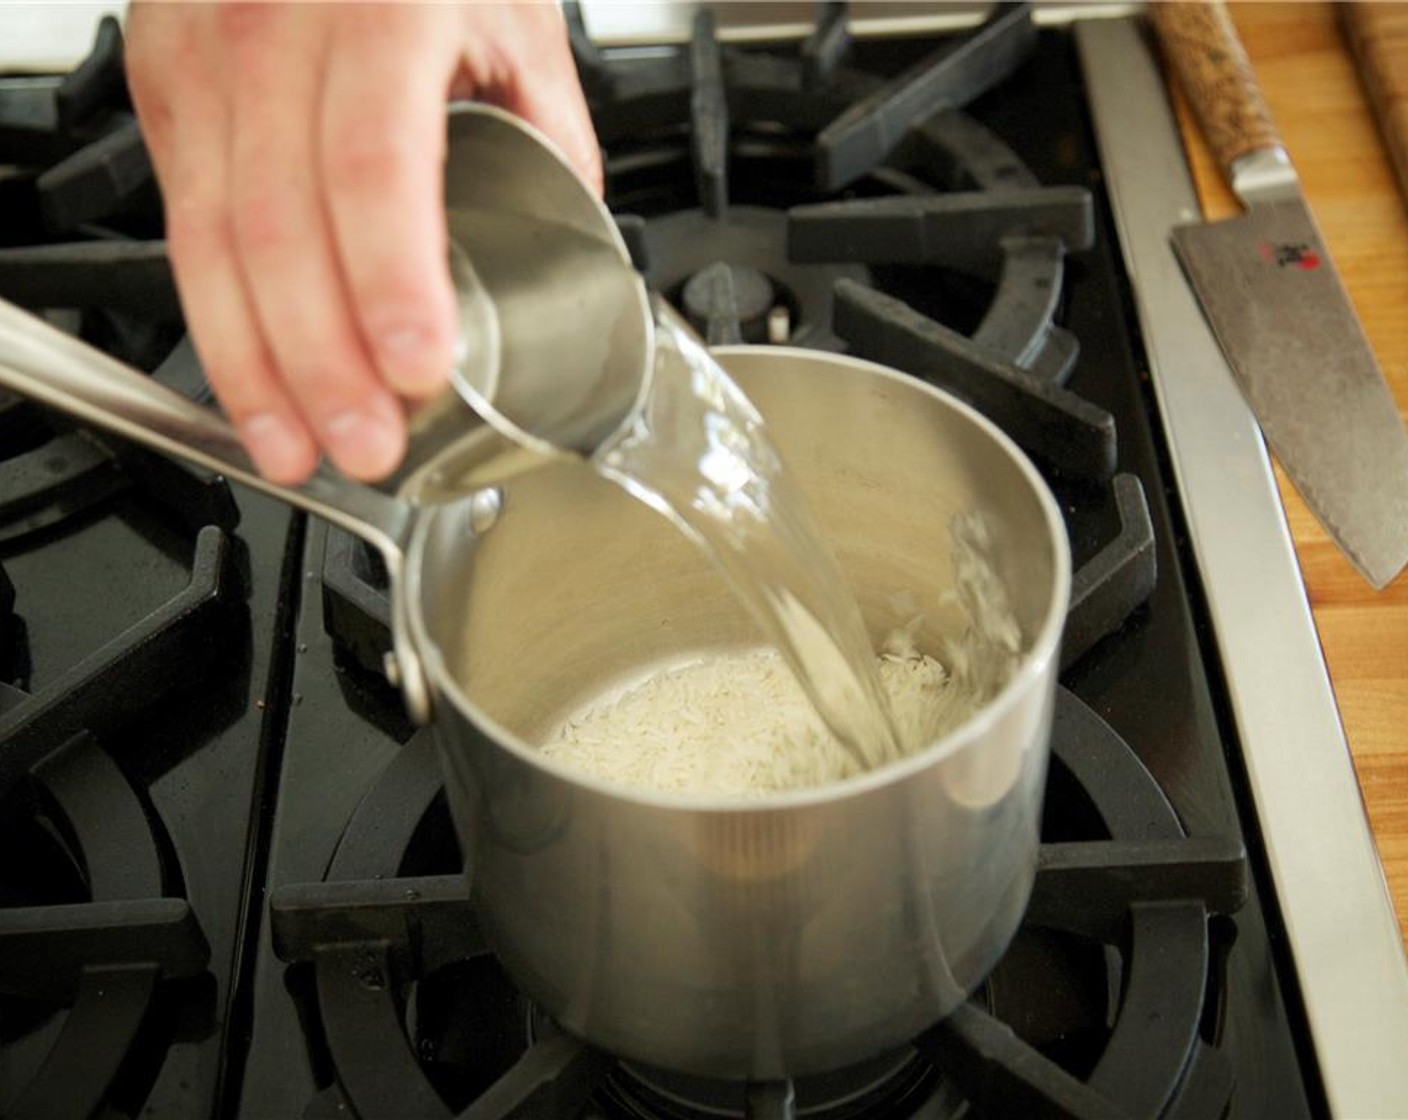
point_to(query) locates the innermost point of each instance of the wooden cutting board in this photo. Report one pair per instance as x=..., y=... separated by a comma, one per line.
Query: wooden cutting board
x=1308, y=75
x=1377, y=35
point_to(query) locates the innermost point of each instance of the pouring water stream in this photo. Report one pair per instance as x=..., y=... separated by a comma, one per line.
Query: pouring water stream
x=699, y=453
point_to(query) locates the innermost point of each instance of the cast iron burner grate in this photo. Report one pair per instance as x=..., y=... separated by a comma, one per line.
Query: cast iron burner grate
x=84, y=170
x=82, y=968
x=126, y=631
x=413, y=1017
x=93, y=926
x=170, y=648
x=94, y=931
x=797, y=135
x=101, y=948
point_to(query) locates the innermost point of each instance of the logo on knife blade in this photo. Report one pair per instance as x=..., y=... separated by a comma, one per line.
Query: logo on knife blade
x=1287, y=253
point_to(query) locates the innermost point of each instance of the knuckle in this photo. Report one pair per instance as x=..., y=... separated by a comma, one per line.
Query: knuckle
x=267, y=221
x=368, y=159
x=241, y=25
x=396, y=280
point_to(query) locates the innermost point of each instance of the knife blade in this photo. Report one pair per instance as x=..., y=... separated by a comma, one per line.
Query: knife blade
x=1280, y=312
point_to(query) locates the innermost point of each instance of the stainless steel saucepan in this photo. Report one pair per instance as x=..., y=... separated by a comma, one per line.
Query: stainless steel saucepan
x=790, y=935
x=798, y=933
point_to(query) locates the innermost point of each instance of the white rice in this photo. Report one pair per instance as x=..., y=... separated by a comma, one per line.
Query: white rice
x=738, y=725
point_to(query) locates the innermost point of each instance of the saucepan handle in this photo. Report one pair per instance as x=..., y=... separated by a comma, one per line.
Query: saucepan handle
x=1201, y=42
x=43, y=363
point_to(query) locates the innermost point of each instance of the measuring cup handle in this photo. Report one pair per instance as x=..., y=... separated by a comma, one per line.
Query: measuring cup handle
x=46, y=365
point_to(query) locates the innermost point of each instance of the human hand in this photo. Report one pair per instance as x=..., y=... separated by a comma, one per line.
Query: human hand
x=299, y=148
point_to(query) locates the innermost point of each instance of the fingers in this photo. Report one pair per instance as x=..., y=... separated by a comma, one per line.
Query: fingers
x=187, y=131
x=299, y=149
x=222, y=320
x=382, y=149
x=288, y=258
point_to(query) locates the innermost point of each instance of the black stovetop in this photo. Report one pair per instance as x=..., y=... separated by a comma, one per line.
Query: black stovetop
x=228, y=881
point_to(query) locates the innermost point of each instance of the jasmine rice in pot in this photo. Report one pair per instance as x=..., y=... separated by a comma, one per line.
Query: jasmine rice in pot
x=738, y=725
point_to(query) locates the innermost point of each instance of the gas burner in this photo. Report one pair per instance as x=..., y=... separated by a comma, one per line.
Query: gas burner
x=391, y=929
x=891, y=1085
x=93, y=925
x=869, y=177
x=751, y=243
x=721, y=295
x=1145, y=894
x=105, y=947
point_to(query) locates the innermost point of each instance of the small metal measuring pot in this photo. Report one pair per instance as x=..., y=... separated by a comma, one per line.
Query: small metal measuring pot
x=558, y=337
x=558, y=346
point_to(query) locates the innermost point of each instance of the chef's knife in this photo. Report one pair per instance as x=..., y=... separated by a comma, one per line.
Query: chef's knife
x=1268, y=287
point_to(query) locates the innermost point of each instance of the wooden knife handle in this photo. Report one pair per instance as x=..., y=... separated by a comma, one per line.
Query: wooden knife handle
x=1378, y=37
x=1212, y=66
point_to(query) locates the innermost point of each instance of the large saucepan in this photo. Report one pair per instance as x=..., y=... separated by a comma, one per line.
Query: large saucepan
x=805, y=931
x=790, y=935
x=757, y=940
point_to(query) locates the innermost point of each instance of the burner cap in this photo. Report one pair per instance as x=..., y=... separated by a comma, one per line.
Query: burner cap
x=709, y=292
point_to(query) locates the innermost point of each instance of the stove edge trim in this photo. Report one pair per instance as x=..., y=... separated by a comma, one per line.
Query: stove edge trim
x=1339, y=918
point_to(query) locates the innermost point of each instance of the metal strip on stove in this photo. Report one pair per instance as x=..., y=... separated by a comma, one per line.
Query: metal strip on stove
x=1347, y=948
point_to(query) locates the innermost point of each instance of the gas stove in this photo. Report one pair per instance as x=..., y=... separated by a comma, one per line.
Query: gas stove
x=229, y=885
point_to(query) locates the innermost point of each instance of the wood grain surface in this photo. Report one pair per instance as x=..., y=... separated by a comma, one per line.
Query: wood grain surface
x=1201, y=45
x=1308, y=77
x=1377, y=34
